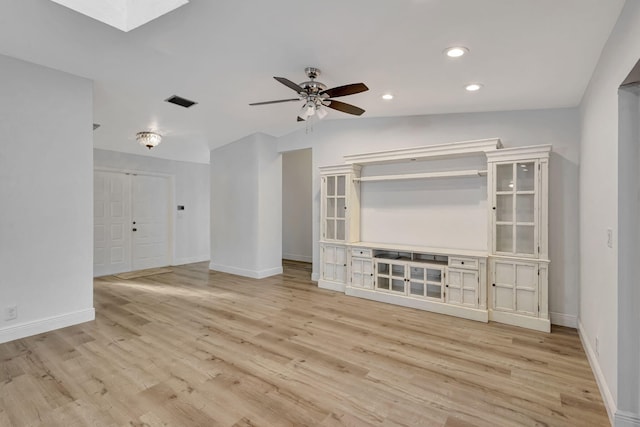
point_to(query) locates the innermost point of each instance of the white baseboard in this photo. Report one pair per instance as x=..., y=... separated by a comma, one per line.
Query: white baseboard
x=295, y=257
x=607, y=397
x=562, y=319
x=254, y=274
x=45, y=325
x=315, y=277
x=191, y=260
x=627, y=419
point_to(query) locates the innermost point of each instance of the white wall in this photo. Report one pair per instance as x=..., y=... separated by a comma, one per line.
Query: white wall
x=46, y=220
x=246, y=207
x=600, y=203
x=457, y=214
x=332, y=139
x=297, y=243
x=191, y=180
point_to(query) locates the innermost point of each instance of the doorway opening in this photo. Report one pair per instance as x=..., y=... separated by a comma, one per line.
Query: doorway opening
x=629, y=242
x=297, y=205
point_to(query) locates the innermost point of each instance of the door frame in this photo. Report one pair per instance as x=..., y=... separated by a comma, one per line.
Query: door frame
x=172, y=202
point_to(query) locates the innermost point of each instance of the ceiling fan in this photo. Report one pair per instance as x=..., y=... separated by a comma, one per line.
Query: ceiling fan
x=316, y=96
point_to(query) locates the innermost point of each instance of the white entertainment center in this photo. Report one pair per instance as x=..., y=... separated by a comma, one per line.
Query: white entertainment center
x=457, y=229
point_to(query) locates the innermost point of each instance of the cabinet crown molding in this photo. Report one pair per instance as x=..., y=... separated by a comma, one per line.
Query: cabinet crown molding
x=461, y=148
x=520, y=153
x=340, y=169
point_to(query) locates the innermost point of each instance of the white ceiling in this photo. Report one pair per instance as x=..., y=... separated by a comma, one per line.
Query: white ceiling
x=529, y=54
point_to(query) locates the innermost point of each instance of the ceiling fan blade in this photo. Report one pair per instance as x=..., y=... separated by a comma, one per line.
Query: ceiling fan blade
x=300, y=119
x=275, y=102
x=344, y=107
x=288, y=83
x=345, y=90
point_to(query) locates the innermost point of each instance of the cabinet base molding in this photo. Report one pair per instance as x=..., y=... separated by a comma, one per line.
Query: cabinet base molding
x=420, y=304
x=332, y=286
x=535, y=323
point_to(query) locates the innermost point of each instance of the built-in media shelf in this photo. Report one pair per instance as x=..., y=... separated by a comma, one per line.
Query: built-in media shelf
x=410, y=256
x=441, y=280
x=507, y=281
x=424, y=175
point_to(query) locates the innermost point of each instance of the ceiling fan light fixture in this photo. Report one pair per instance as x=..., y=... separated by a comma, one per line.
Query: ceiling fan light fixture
x=148, y=139
x=456, y=51
x=321, y=113
x=310, y=108
x=387, y=96
x=307, y=110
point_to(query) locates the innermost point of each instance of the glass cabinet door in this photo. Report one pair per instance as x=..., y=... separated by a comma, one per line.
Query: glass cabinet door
x=383, y=276
x=434, y=283
x=335, y=208
x=515, y=208
x=397, y=278
x=390, y=276
x=417, y=280
x=425, y=280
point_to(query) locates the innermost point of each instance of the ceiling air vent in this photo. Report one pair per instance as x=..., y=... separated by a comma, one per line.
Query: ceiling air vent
x=178, y=100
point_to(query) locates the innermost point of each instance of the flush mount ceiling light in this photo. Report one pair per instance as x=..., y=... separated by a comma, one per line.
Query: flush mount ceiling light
x=387, y=97
x=473, y=87
x=148, y=139
x=124, y=15
x=456, y=51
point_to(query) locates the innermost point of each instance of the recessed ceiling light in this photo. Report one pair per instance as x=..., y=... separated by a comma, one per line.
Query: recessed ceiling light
x=387, y=97
x=473, y=87
x=456, y=51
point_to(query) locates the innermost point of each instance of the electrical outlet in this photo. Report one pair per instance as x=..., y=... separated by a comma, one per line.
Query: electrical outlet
x=597, y=347
x=610, y=237
x=11, y=312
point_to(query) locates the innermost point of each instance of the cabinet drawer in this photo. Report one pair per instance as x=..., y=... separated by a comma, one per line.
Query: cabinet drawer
x=468, y=263
x=361, y=252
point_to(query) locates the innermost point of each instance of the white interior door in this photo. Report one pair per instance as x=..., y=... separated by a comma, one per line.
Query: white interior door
x=111, y=231
x=131, y=222
x=150, y=221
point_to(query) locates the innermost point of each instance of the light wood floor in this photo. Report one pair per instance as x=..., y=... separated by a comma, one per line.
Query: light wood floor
x=200, y=348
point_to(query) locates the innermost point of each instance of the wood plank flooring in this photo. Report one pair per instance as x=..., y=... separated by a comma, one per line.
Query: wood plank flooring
x=201, y=348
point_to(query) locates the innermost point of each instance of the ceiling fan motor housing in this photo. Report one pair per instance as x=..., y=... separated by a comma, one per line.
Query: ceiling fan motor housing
x=312, y=87
x=312, y=72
